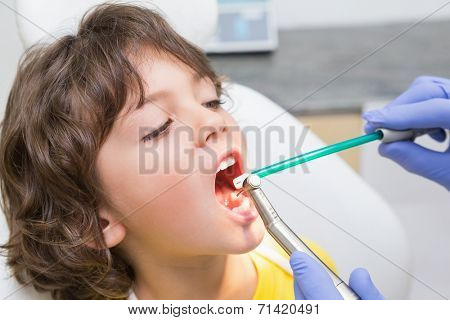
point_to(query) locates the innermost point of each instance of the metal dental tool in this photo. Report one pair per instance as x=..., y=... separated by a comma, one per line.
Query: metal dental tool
x=276, y=227
x=286, y=238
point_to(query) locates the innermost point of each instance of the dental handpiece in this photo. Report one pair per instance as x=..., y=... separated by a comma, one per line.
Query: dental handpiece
x=285, y=237
x=276, y=227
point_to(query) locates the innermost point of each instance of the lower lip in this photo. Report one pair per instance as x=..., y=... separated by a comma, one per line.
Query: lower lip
x=244, y=217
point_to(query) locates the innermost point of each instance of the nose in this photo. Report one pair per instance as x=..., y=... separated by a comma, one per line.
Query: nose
x=209, y=126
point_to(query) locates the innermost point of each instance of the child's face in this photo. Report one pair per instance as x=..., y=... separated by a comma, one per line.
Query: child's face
x=165, y=187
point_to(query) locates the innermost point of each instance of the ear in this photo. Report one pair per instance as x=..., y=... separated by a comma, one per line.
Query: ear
x=113, y=230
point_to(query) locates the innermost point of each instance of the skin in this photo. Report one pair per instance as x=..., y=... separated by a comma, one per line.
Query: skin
x=168, y=224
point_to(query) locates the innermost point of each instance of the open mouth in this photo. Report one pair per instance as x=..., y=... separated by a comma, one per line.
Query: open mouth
x=230, y=168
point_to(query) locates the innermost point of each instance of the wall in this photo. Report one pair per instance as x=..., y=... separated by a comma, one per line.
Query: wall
x=324, y=13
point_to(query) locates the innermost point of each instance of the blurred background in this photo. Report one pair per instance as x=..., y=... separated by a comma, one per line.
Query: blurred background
x=318, y=41
x=291, y=50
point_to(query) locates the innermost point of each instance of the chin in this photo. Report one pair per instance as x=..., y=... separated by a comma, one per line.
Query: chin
x=247, y=239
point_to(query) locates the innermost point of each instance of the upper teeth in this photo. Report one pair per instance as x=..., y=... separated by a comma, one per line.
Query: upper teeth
x=227, y=162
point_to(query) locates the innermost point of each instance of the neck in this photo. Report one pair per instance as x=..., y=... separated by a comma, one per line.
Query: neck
x=195, y=277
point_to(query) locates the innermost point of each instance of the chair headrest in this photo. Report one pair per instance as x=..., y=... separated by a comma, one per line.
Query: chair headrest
x=43, y=20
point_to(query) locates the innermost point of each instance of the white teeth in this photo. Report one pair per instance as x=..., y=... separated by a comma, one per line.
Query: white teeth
x=228, y=162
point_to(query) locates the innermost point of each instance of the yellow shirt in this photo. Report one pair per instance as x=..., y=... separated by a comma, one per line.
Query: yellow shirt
x=275, y=282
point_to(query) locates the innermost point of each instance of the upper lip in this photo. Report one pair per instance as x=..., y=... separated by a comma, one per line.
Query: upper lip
x=236, y=155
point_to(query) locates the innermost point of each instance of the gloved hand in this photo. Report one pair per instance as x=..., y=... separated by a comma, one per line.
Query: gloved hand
x=312, y=282
x=424, y=105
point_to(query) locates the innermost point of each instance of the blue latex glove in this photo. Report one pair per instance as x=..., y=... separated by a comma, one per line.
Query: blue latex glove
x=312, y=282
x=424, y=105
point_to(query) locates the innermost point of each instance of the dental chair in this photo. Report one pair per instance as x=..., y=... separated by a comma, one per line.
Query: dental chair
x=325, y=201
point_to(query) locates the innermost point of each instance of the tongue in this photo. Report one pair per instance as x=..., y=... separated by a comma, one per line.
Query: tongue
x=228, y=197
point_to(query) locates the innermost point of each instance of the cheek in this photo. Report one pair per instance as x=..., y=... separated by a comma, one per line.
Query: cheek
x=135, y=175
x=163, y=191
x=176, y=220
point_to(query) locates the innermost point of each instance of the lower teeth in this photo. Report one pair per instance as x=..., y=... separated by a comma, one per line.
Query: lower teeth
x=236, y=203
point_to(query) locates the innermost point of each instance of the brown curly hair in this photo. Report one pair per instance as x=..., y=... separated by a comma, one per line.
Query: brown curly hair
x=62, y=105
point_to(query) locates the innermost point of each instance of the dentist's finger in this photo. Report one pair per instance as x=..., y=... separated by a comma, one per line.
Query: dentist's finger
x=430, y=79
x=423, y=88
x=414, y=158
x=434, y=113
x=362, y=284
x=313, y=281
x=439, y=135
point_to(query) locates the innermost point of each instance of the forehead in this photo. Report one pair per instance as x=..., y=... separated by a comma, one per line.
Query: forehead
x=161, y=76
x=163, y=73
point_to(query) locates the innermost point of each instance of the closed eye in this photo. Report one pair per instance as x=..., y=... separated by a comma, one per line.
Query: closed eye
x=164, y=129
x=214, y=104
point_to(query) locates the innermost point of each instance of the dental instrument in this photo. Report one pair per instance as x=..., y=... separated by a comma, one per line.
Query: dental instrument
x=284, y=235
x=382, y=134
x=276, y=227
